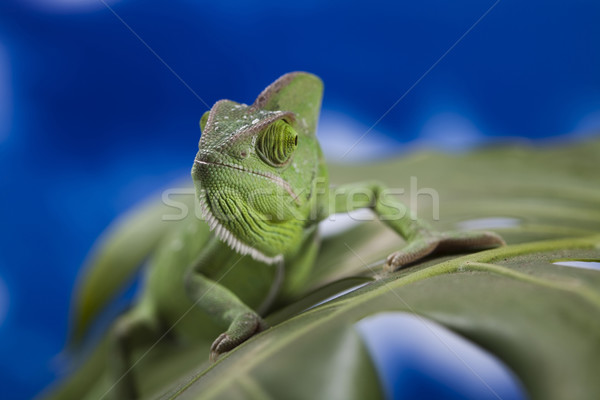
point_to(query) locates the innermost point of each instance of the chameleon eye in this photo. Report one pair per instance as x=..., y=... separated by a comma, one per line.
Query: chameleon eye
x=276, y=143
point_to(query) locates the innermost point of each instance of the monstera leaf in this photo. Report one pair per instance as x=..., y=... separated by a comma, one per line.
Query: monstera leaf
x=519, y=302
x=539, y=317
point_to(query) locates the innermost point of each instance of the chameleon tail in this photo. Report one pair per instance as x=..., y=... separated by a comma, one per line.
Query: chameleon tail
x=117, y=256
x=85, y=379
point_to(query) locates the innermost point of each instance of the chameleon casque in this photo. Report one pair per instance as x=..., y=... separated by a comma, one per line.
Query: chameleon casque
x=262, y=185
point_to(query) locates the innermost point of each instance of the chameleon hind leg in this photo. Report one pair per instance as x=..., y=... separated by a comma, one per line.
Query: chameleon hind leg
x=137, y=329
x=442, y=242
x=422, y=240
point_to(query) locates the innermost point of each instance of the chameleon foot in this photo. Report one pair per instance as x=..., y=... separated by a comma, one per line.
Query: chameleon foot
x=241, y=329
x=448, y=242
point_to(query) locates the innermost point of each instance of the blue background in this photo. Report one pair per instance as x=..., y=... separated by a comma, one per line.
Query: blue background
x=91, y=121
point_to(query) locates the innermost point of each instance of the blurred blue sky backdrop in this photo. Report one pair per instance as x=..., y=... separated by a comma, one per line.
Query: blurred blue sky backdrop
x=91, y=121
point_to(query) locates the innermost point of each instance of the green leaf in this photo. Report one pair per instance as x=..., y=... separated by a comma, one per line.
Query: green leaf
x=541, y=319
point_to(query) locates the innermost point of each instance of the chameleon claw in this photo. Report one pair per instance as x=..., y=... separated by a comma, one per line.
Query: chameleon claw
x=243, y=328
x=214, y=348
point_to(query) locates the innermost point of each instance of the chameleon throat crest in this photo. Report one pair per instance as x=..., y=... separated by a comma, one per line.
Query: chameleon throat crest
x=227, y=237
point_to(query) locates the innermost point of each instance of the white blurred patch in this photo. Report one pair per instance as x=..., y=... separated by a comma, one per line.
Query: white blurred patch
x=580, y=264
x=339, y=223
x=450, y=131
x=344, y=139
x=339, y=133
x=488, y=223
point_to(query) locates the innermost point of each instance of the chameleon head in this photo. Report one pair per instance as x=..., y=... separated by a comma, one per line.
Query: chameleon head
x=257, y=168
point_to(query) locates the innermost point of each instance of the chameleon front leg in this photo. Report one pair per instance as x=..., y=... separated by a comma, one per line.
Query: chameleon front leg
x=225, y=308
x=422, y=239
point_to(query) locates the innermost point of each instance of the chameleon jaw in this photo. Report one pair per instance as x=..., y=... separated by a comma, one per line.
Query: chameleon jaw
x=229, y=238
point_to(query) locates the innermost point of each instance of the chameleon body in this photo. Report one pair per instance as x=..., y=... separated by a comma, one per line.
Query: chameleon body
x=262, y=185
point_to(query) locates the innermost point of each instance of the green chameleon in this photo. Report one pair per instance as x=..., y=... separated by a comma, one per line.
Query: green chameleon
x=262, y=185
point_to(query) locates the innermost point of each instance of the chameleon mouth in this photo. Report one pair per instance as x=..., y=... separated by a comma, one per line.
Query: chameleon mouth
x=271, y=177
